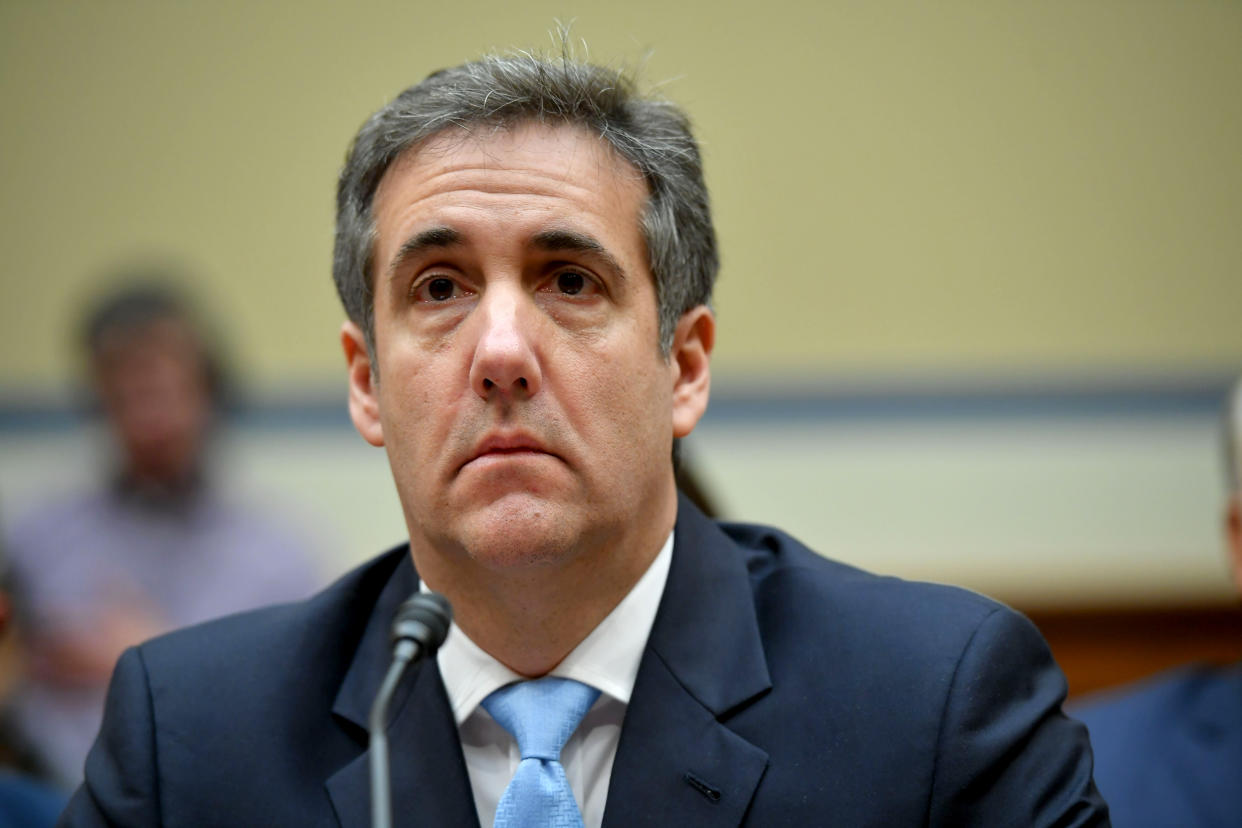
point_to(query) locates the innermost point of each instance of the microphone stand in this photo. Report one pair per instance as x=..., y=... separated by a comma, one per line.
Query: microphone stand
x=418, y=630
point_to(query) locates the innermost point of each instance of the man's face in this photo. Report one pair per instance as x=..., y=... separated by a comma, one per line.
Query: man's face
x=527, y=411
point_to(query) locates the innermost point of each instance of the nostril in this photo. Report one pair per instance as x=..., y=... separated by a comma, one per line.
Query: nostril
x=522, y=382
x=487, y=384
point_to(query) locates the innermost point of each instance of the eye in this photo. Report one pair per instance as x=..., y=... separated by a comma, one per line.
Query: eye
x=438, y=289
x=572, y=282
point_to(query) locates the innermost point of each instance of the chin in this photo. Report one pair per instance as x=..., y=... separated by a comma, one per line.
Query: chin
x=520, y=531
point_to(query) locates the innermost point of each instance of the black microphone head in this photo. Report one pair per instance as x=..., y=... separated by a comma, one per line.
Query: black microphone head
x=424, y=618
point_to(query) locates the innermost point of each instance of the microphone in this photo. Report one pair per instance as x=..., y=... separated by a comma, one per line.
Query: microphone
x=418, y=630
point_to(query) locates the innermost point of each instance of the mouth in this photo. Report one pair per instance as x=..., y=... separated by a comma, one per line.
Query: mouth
x=504, y=447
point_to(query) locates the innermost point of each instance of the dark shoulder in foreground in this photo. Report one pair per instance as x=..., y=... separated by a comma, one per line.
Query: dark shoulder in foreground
x=941, y=703
x=780, y=566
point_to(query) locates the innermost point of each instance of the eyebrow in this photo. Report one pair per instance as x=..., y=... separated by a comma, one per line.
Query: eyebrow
x=556, y=240
x=433, y=238
x=552, y=241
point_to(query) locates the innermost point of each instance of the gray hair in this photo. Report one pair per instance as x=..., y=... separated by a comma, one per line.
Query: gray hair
x=1232, y=434
x=501, y=91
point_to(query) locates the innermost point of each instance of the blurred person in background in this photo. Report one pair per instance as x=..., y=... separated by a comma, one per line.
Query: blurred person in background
x=156, y=545
x=1169, y=750
x=26, y=798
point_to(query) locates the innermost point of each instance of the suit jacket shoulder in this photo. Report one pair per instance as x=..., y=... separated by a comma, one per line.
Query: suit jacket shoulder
x=780, y=688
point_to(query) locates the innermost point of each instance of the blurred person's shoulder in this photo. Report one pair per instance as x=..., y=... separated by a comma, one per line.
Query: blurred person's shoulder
x=1170, y=746
x=57, y=516
x=1179, y=690
x=45, y=540
x=25, y=801
x=1178, y=705
x=269, y=539
x=321, y=629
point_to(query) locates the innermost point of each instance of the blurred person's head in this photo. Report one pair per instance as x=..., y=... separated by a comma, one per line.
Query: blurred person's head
x=155, y=379
x=1233, y=478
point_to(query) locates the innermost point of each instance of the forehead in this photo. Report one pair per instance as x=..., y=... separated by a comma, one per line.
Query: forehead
x=510, y=177
x=161, y=335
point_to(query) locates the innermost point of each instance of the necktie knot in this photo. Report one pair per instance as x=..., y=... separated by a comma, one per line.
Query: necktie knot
x=542, y=714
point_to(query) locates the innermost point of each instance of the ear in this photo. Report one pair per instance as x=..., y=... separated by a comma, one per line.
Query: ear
x=1233, y=535
x=364, y=408
x=690, y=362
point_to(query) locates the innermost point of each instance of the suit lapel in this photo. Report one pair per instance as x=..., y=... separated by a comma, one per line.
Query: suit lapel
x=677, y=762
x=429, y=781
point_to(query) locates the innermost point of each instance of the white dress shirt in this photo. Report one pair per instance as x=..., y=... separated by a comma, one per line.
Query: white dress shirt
x=607, y=659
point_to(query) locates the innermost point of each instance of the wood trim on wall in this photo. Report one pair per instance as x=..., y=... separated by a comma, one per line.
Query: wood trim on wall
x=1103, y=648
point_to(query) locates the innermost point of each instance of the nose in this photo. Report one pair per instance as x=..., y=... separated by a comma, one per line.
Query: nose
x=506, y=361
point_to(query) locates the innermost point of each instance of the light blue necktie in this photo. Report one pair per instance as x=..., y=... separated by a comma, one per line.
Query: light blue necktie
x=541, y=715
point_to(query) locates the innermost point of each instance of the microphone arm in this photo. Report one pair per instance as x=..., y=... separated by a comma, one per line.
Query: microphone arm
x=418, y=630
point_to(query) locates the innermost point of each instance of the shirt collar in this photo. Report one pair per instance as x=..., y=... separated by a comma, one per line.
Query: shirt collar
x=606, y=659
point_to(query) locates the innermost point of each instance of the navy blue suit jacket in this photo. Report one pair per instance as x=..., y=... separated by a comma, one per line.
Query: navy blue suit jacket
x=1169, y=752
x=777, y=688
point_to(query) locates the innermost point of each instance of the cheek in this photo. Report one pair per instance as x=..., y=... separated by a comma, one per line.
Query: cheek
x=627, y=407
x=414, y=409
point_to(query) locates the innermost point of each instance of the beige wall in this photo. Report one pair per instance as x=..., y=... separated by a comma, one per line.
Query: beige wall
x=899, y=186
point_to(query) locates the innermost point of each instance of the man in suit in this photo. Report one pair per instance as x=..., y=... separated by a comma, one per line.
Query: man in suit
x=1169, y=750
x=525, y=253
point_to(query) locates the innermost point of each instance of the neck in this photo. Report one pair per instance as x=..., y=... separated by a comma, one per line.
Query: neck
x=530, y=617
x=159, y=489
